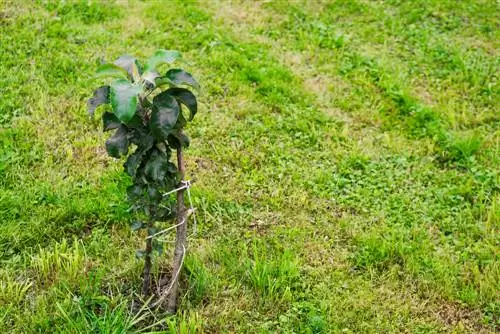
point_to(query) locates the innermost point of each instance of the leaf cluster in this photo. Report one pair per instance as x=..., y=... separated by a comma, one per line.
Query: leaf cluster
x=149, y=111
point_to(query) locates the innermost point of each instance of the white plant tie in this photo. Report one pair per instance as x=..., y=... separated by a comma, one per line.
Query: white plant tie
x=174, y=280
x=188, y=213
x=186, y=184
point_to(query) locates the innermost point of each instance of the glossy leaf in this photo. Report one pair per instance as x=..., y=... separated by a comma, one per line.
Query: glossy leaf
x=135, y=122
x=162, y=57
x=131, y=65
x=177, y=139
x=181, y=77
x=142, y=138
x=101, y=96
x=110, y=121
x=133, y=162
x=181, y=122
x=117, y=145
x=135, y=159
x=157, y=166
x=123, y=97
x=164, y=115
x=185, y=97
x=111, y=70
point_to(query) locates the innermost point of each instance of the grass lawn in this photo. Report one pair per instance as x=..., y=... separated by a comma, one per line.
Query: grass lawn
x=346, y=157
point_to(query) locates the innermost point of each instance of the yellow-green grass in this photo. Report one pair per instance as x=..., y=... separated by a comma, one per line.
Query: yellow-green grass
x=345, y=155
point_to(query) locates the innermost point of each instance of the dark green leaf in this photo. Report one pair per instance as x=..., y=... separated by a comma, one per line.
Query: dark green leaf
x=153, y=194
x=166, y=213
x=123, y=96
x=157, y=166
x=135, y=122
x=141, y=137
x=117, y=145
x=153, y=230
x=185, y=97
x=131, y=65
x=181, y=77
x=158, y=246
x=181, y=122
x=134, y=192
x=111, y=70
x=110, y=122
x=134, y=160
x=164, y=115
x=161, y=57
x=177, y=139
x=137, y=225
x=172, y=168
x=185, y=141
x=101, y=96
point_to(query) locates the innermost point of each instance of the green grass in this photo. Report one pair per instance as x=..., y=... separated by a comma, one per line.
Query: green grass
x=346, y=161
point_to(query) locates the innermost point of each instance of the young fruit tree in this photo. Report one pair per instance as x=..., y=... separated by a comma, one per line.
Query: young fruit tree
x=149, y=111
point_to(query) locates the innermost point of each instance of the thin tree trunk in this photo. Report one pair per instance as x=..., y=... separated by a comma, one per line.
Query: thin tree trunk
x=180, y=242
x=147, y=264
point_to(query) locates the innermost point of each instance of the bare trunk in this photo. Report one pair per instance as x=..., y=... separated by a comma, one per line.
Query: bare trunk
x=147, y=265
x=180, y=242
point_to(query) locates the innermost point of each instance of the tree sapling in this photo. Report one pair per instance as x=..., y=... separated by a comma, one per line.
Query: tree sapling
x=148, y=114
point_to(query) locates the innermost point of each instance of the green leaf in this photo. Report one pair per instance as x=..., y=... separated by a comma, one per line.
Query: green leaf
x=123, y=96
x=117, y=145
x=164, y=116
x=136, y=225
x=172, y=168
x=142, y=138
x=134, y=192
x=166, y=213
x=157, y=246
x=181, y=122
x=101, y=96
x=177, y=139
x=160, y=81
x=157, y=166
x=153, y=194
x=110, y=122
x=185, y=97
x=111, y=70
x=153, y=230
x=149, y=78
x=162, y=57
x=131, y=65
x=181, y=77
x=135, y=122
x=134, y=160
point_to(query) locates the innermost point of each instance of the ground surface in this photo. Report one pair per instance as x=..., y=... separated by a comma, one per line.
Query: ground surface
x=346, y=161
